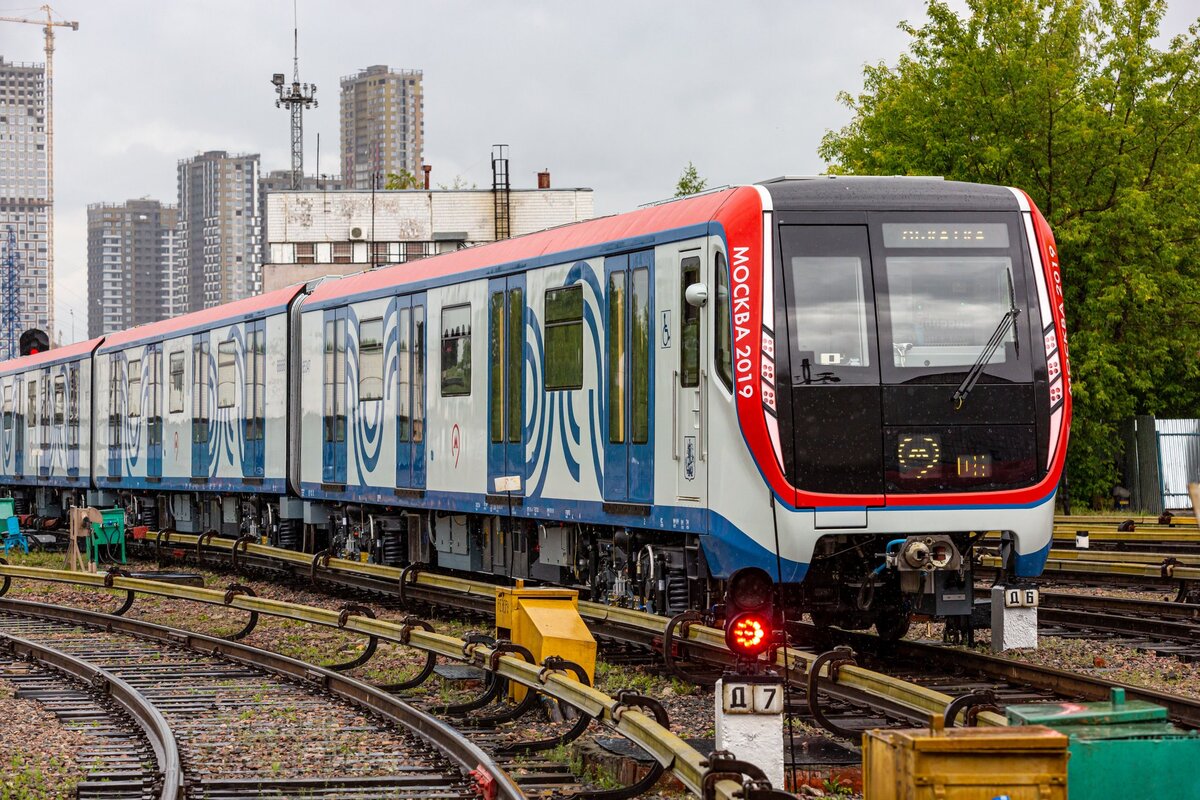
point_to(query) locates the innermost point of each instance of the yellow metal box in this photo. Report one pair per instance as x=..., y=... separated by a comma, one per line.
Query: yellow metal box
x=1027, y=763
x=547, y=622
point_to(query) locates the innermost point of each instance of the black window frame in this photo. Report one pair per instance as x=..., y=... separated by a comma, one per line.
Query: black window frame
x=557, y=327
x=452, y=339
x=375, y=350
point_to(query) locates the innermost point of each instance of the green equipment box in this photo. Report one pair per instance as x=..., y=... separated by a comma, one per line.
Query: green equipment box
x=7, y=507
x=1120, y=748
x=109, y=535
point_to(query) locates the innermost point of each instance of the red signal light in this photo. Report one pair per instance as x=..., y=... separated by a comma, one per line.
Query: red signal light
x=748, y=634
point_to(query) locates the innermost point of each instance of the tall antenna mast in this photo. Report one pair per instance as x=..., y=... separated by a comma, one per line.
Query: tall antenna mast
x=295, y=98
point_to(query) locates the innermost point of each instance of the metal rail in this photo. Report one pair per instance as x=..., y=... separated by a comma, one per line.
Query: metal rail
x=888, y=692
x=622, y=624
x=671, y=752
x=148, y=718
x=467, y=756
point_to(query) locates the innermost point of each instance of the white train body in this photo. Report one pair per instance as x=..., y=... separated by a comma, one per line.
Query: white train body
x=633, y=405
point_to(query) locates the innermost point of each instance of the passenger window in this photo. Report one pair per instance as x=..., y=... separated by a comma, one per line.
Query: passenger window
x=31, y=413
x=616, y=357
x=722, y=326
x=404, y=404
x=370, y=360
x=256, y=366
x=640, y=350
x=116, y=381
x=516, y=360
x=418, y=424
x=175, y=405
x=200, y=394
x=456, y=351
x=564, y=338
x=226, y=374
x=8, y=408
x=60, y=399
x=689, y=325
x=73, y=405
x=495, y=347
x=135, y=388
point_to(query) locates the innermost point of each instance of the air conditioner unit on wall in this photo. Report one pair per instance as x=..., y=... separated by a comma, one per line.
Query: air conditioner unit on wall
x=356, y=233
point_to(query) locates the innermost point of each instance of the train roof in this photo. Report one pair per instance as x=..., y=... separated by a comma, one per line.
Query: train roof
x=54, y=355
x=886, y=193
x=619, y=232
x=227, y=314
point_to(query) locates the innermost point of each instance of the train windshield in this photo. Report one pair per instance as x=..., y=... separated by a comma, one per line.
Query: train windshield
x=919, y=300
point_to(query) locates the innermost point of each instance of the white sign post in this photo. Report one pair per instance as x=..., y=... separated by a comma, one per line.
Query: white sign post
x=749, y=715
x=1014, y=618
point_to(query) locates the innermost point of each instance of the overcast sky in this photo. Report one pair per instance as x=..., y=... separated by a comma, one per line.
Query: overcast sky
x=609, y=94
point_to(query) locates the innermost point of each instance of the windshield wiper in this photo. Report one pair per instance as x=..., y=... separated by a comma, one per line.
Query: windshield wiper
x=968, y=383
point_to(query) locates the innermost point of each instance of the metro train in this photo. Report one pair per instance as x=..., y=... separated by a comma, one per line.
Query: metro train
x=844, y=381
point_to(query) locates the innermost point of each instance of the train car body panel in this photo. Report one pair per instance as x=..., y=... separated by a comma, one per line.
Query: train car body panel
x=51, y=448
x=198, y=403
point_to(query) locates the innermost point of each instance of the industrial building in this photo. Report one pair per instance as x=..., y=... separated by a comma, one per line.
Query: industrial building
x=25, y=205
x=134, y=265
x=278, y=180
x=219, y=228
x=310, y=234
x=383, y=125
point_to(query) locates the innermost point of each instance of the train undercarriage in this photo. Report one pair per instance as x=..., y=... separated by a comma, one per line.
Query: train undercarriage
x=854, y=582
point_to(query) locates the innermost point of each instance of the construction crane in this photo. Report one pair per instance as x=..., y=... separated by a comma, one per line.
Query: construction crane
x=48, y=26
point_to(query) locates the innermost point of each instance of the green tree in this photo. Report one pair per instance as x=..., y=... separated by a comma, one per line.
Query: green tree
x=1072, y=101
x=690, y=182
x=404, y=180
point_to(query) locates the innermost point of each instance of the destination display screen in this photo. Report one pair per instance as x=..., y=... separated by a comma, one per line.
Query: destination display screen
x=928, y=235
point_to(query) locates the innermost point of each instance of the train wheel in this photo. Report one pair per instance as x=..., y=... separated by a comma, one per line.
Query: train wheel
x=892, y=625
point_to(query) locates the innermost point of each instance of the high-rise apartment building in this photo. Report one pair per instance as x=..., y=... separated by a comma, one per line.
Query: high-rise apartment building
x=24, y=191
x=220, y=235
x=383, y=125
x=132, y=265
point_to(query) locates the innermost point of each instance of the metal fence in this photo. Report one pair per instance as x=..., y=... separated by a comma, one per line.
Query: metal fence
x=1178, y=445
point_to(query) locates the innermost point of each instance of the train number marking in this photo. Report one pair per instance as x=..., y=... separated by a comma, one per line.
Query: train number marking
x=455, y=443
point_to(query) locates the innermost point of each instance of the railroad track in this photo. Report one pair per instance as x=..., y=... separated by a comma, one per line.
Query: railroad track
x=120, y=759
x=912, y=680
x=1161, y=627
x=226, y=721
x=898, y=684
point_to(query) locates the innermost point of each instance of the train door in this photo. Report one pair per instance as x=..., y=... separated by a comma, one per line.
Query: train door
x=629, y=379
x=18, y=428
x=410, y=395
x=333, y=450
x=689, y=383
x=506, y=379
x=58, y=408
x=44, y=436
x=254, y=399
x=73, y=419
x=200, y=405
x=154, y=420
x=116, y=386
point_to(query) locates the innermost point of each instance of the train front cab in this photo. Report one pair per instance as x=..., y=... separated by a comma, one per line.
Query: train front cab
x=921, y=396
